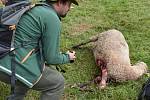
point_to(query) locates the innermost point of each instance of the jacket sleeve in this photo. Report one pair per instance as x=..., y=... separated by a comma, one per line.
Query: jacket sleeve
x=50, y=41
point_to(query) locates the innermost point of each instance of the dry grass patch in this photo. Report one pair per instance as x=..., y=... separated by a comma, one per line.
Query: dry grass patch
x=79, y=29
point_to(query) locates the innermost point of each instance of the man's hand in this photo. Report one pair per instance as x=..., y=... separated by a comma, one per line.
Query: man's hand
x=72, y=56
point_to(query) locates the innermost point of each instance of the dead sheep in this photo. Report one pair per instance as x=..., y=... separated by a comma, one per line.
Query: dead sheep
x=111, y=54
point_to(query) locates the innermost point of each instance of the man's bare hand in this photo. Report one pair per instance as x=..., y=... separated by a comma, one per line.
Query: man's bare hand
x=72, y=55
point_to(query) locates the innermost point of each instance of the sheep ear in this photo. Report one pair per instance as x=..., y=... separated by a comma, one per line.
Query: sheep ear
x=94, y=38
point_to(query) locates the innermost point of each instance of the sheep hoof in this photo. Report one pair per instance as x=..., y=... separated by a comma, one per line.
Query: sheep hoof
x=103, y=84
x=102, y=87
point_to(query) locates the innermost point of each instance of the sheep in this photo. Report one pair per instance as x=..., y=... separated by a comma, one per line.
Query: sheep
x=111, y=53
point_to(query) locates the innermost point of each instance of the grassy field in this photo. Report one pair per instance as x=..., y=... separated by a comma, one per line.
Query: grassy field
x=131, y=17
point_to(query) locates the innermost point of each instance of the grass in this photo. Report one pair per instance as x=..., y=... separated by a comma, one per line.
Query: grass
x=131, y=17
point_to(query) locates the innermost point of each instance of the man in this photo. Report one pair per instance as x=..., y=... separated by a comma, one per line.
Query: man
x=38, y=32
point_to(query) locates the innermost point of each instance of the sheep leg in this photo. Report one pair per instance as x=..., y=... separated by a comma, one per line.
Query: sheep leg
x=101, y=80
x=93, y=39
x=104, y=76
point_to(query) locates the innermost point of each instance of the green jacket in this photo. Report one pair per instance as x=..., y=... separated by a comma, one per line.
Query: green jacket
x=38, y=28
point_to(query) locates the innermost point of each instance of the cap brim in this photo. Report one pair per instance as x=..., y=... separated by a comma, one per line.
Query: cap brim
x=74, y=2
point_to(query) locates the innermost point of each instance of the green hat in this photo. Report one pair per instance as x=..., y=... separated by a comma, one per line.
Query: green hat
x=73, y=1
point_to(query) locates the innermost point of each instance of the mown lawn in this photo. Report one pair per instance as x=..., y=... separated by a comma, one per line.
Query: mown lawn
x=131, y=17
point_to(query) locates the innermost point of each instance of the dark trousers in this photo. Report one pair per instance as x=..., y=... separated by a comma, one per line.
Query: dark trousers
x=51, y=85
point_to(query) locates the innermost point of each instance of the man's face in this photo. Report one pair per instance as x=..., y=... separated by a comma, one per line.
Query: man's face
x=64, y=8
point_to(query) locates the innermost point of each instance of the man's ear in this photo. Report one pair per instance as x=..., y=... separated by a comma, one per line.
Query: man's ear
x=58, y=2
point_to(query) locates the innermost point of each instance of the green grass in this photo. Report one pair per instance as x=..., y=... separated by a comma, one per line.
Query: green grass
x=131, y=17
